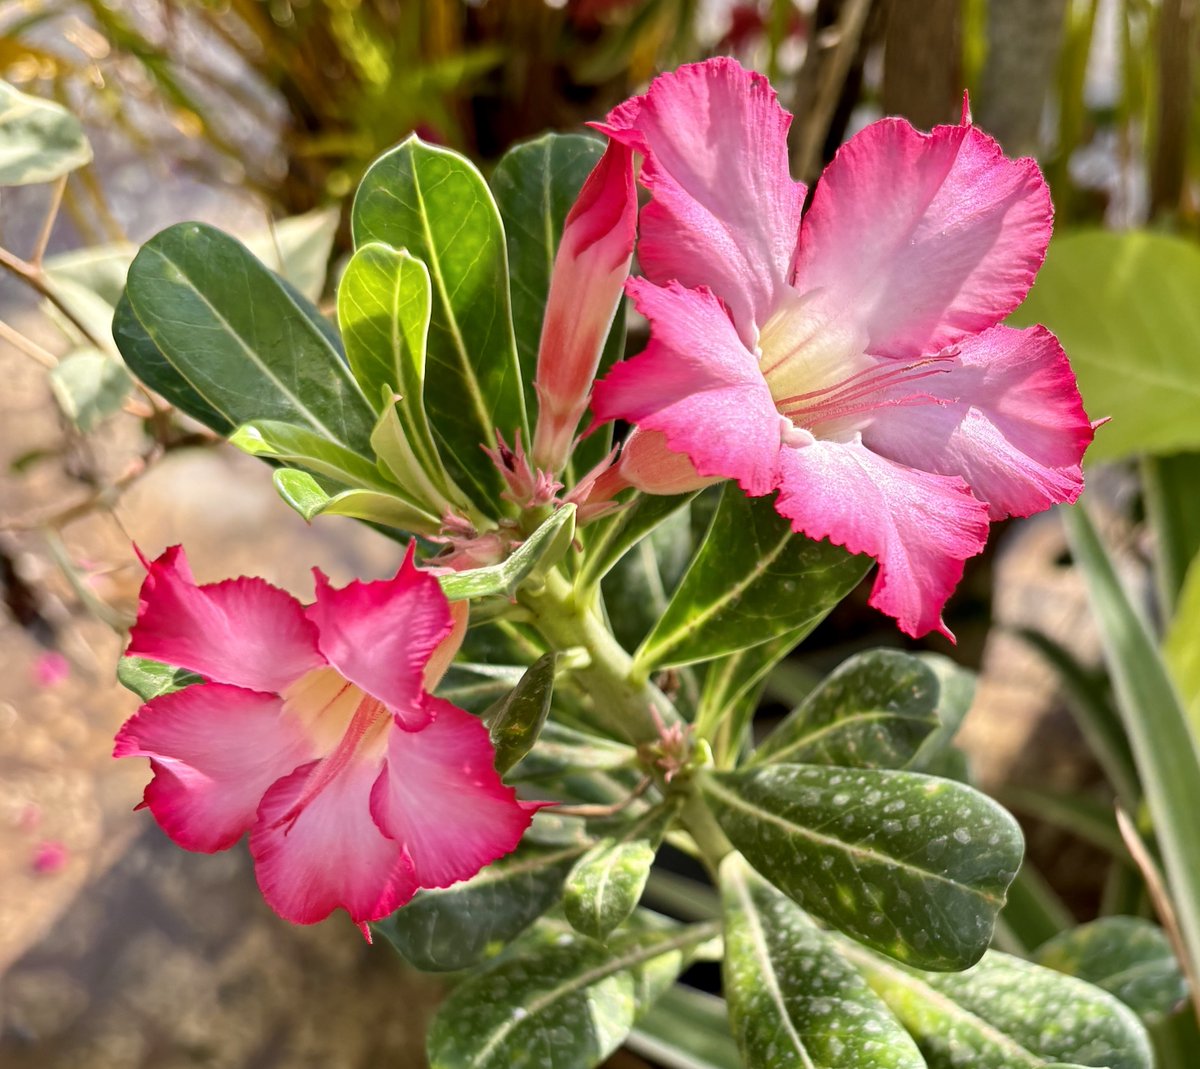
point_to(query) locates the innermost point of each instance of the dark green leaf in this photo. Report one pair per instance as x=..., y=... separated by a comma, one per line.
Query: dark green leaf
x=515, y=721
x=686, y=1029
x=249, y=344
x=39, y=140
x=89, y=386
x=752, y=580
x=1007, y=1014
x=607, y=882
x=475, y=687
x=558, y=1000
x=434, y=203
x=1127, y=956
x=615, y=536
x=793, y=999
x=561, y=749
x=873, y=711
x=151, y=679
x=913, y=866
x=956, y=692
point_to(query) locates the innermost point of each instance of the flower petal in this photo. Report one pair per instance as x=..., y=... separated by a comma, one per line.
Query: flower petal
x=1009, y=421
x=726, y=211
x=381, y=635
x=242, y=631
x=332, y=854
x=441, y=797
x=919, y=527
x=925, y=238
x=215, y=750
x=648, y=464
x=697, y=384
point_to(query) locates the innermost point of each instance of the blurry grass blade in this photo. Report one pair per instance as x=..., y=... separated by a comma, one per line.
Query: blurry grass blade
x=1086, y=818
x=1181, y=648
x=1033, y=912
x=686, y=1029
x=1173, y=507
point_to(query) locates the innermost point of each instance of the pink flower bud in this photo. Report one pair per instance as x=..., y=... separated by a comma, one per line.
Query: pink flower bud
x=589, y=270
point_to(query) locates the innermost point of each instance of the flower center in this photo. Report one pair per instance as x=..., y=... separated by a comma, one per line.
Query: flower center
x=822, y=379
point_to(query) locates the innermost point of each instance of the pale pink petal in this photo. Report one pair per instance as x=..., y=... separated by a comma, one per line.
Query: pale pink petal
x=647, y=463
x=726, y=212
x=381, y=635
x=923, y=238
x=699, y=386
x=441, y=797
x=242, y=631
x=1009, y=421
x=443, y=656
x=215, y=749
x=590, y=268
x=919, y=527
x=331, y=854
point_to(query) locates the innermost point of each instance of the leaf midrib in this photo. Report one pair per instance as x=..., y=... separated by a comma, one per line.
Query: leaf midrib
x=863, y=716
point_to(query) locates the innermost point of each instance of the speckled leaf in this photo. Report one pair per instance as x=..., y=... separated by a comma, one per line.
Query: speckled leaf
x=873, y=711
x=456, y=927
x=248, y=343
x=751, y=581
x=39, y=140
x=516, y=720
x=956, y=692
x=558, y=1000
x=1007, y=1014
x=607, y=882
x=435, y=204
x=913, y=866
x=793, y=999
x=150, y=679
x=1127, y=956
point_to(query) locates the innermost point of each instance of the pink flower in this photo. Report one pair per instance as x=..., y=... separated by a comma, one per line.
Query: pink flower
x=317, y=734
x=590, y=268
x=50, y=669
x=850, y=359
x=49, y=857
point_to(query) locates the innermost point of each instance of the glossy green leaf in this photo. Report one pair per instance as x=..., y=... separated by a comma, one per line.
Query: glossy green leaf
x=538, y=553
x=457, y=927
x=39, y=140
x=1127, y=956
x=686, y=1029
x=793, y=999
x=913, y=866
x=1123, y=305
x=607, y=882
x=558, y=1000
x=435, y=204
x=151, y=679
x=515, y=721
x=1156, y=722
x=89, y=386
x=288, y=443
x=873, y=711
x=1007, y=1014
x=619, y=533
x=242, y=339
x=304, y=494
x=751, y=581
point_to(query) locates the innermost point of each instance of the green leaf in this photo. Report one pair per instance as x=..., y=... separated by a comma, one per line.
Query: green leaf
x=873, y=711
x=435, y=204
x=538, y=553
x=151, y=679
x=751, y=581
x=515, y=721
x=607, y=882
x=1156, y=721
x=911, y=865
x=304, y=494
x=242, y=339
x=1007, y=1014
x=561, y=749
x=39, y=140
x=299, y=445
x=1123, y=305
x=686, y=1029
x=459, y=926
x=956, y=692
x=1127, y=956
x=298, y=248
x=557, y=1000
x=1180, y=648
x=793, y=999
x=620, y=532
x=475, y=687
x=89, y=386
x=1173, y=514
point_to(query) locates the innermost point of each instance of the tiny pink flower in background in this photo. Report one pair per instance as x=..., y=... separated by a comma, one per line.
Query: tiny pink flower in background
x=590, y=268
x=849, y=357
x=48, y=858
x=316, y=732
x=50, y=668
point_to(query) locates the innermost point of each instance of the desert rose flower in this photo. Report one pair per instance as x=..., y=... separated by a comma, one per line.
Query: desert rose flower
x=316, y=733
x=850, y=358
x=590, y=267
